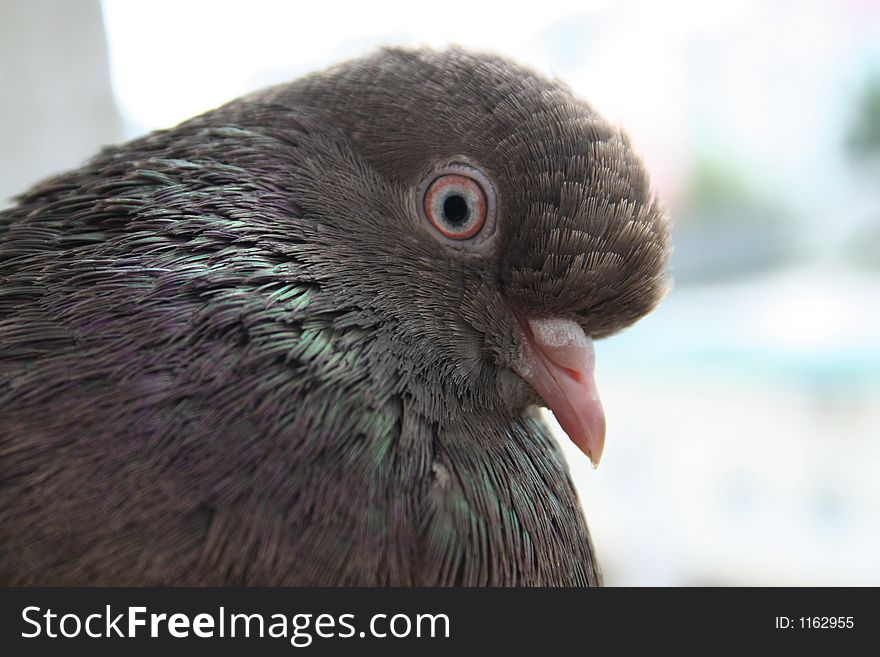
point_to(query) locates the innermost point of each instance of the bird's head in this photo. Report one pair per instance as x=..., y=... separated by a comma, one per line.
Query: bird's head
x=502, y=224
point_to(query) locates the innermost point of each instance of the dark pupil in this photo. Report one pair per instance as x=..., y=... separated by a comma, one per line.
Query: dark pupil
x=455, y=209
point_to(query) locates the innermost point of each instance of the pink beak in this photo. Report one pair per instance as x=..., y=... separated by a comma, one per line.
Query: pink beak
x=559, y=361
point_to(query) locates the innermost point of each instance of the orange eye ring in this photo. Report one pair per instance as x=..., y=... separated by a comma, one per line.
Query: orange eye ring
x=456, y=205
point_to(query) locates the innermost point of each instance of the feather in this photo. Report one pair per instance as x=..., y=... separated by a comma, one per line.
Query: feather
x=231, y=353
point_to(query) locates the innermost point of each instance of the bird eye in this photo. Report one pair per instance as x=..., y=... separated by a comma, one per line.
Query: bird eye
x=456, y=205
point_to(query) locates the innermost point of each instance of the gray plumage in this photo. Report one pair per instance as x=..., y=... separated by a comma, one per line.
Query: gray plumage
x=232, y=353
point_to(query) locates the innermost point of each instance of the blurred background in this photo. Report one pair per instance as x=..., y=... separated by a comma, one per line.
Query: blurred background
x=744, y=414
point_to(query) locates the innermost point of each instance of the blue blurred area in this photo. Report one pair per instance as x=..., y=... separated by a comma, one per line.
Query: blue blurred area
x=744, y=423
x=760, y=373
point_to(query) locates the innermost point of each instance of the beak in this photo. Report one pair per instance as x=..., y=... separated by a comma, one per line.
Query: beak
x=558, y=361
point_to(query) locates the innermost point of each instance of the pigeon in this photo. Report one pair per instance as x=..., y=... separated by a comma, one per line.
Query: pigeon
x=303, y=339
